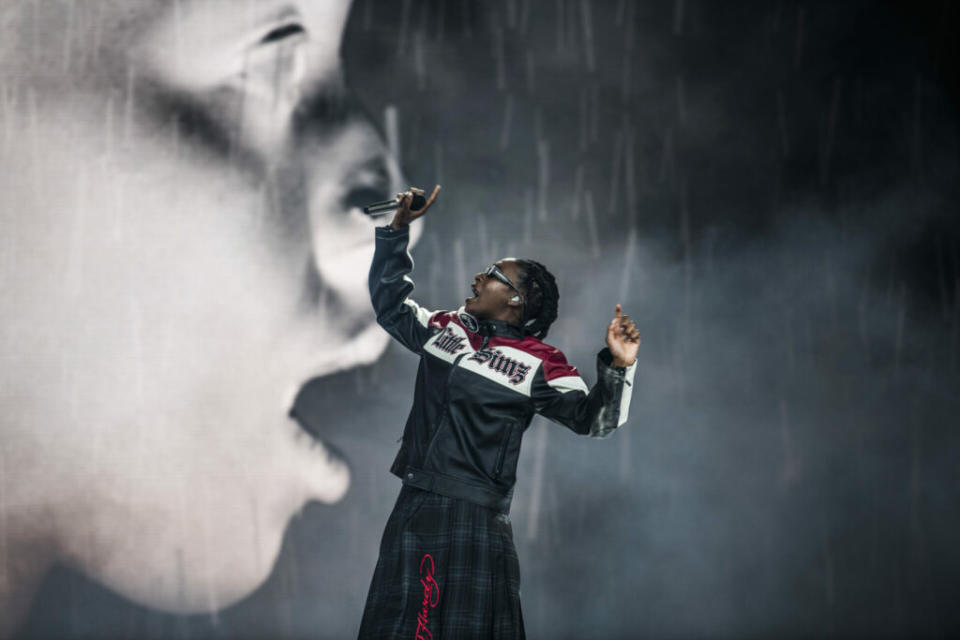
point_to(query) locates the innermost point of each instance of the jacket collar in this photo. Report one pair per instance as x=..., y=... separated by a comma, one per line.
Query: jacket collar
x=490, y=328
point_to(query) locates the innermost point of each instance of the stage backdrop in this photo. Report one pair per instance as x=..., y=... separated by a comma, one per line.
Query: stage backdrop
x=768, y=188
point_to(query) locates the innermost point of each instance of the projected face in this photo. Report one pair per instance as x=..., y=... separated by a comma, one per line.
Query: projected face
x=181, y=247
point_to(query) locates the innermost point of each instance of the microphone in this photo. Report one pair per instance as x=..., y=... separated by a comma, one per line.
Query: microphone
x=386, y=206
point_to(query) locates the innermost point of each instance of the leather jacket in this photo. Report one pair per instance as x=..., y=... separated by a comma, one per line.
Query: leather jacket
x=478, y=386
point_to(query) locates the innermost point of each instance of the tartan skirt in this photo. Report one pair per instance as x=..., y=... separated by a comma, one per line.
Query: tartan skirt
x=447, y=570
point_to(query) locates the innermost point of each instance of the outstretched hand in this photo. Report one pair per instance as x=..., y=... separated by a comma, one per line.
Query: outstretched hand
x=623, y=339
x=404, y=215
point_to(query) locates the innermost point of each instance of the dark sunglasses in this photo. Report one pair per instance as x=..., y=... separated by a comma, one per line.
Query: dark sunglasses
x=494, y=270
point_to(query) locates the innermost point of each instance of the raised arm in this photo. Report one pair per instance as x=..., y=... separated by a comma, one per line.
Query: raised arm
x=390, y=288
x=389, y=282
x=560, y=394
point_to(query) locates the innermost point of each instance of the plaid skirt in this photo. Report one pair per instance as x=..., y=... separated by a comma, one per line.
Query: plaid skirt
x=447, y=570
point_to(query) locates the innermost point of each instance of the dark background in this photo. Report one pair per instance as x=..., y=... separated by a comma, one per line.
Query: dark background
x=770, y=189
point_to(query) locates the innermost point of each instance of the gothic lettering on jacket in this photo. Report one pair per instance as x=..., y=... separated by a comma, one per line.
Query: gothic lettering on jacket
x=449, y=341
x=494, y=358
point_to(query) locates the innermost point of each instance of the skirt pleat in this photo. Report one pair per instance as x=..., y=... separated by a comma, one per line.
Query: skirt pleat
x=447, y=569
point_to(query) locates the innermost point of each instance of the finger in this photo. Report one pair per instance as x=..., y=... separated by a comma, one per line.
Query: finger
x=433, y=196
x=616, y=315
x=403, y=209
x=419, y=192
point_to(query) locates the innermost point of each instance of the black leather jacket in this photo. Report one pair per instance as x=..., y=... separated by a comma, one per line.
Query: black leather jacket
x=478, y=386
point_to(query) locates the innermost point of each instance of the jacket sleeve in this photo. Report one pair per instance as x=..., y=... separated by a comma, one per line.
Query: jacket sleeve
x=390, y=287
x=560, y=394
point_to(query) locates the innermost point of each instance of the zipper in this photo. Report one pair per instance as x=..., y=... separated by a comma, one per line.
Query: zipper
x=503, y=449
x=446, y=410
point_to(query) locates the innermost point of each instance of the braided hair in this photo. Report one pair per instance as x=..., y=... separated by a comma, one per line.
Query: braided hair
x=540, y=298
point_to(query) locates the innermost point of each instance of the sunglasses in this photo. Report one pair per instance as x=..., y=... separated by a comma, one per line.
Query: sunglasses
x=494, y=271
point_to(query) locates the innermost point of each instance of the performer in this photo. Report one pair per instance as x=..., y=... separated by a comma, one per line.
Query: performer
x=448, y=567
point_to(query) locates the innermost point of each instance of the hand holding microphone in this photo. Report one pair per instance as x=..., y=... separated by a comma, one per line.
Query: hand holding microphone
x=386, y=206
x=410, y=205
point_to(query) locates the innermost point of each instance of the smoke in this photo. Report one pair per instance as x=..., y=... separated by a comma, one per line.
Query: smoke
x=787, y=442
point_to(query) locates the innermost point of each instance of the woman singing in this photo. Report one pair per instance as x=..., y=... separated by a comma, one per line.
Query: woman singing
x=447, y=566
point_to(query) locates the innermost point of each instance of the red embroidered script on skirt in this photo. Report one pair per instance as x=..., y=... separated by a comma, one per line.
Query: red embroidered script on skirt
x=431, y=596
